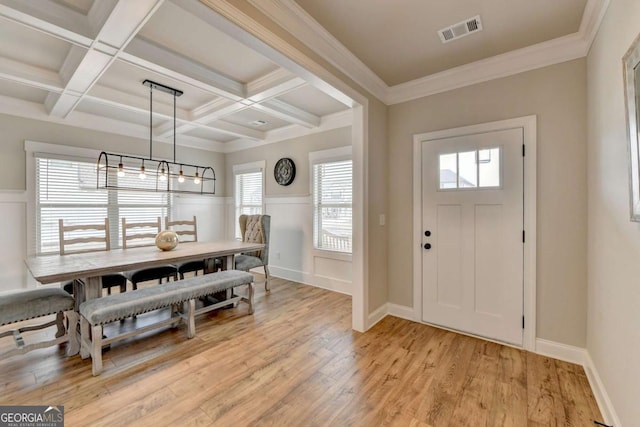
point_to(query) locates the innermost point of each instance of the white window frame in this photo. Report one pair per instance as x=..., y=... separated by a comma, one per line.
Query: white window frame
x=328, y=156
x=34, y=150
x=239, y=169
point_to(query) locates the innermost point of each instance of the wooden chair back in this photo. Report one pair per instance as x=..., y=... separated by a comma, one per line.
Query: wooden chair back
x=70, y=235
x=183, y=228
x=145, y=230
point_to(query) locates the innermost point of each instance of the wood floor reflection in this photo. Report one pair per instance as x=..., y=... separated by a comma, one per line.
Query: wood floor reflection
x=296, y=362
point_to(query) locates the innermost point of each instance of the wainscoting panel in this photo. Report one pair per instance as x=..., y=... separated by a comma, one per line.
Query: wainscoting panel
x=291, y=254
x=13, y=251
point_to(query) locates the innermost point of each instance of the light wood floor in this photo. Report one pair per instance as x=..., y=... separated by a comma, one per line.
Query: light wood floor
x=296, y=362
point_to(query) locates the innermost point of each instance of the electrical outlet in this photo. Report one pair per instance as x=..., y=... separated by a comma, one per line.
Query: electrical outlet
x=382, y=219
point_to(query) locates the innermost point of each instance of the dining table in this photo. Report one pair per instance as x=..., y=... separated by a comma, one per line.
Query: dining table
x=86, y=268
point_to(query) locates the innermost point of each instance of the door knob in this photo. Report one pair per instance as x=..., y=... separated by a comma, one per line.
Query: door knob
x=427, y=233
x=427, y=245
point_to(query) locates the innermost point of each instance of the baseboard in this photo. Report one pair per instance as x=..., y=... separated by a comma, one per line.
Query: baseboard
x=401, y=311
x=556, y=350
x=602, y=397
x=378, y=314
x=335, y=285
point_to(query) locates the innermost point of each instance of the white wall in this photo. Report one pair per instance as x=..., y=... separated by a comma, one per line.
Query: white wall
x=291, y=254
x=613, y=313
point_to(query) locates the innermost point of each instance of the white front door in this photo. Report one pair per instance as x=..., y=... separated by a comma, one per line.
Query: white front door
x=472, y=225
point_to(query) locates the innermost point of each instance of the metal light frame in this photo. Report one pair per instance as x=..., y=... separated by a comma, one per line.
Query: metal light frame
x=170, y=177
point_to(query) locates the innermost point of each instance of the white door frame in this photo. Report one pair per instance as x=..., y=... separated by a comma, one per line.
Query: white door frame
x=528, y=124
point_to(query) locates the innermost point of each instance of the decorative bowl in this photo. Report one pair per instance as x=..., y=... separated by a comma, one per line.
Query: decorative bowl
x=167, y=240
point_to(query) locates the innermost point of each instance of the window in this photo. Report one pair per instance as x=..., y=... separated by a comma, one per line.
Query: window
x=66, y=189
x=249, y=185
x=332, y=200
x=470, y=169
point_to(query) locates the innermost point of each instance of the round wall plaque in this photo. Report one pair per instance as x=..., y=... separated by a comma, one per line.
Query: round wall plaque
x=284, y=171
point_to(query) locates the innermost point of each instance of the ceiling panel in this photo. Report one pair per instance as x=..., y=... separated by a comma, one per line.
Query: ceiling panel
x=103, y=110
x=247, y=116
x=31, y=47
x=25, y=93
x=128, y=78
x=398, y=40
x=313, y=100
x=208, y=134
x=82, y=6
x=184, y=33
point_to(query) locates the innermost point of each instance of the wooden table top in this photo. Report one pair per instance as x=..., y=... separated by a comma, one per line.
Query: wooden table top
x=56, y=268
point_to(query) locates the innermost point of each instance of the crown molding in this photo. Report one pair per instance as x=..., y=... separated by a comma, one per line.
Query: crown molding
x=290, y=16
x=293, y=18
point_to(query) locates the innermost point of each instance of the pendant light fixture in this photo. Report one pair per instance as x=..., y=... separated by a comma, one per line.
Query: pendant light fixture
x=125, y=172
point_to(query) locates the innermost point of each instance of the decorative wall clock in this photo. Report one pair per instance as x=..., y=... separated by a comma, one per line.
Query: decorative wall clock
x=284, y=171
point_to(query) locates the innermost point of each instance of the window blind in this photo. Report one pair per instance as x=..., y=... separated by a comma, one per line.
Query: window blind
x=66, y=189
x=332, y=206
x=248, y=195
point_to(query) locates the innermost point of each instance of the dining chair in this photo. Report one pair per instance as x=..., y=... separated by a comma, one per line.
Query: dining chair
x=145, y=233
x=255, y=229
x=187, y=231
x=79, y=238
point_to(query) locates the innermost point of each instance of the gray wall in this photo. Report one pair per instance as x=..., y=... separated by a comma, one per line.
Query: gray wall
x=613, y=340
x=297, y=149
x=16, y=130
x=557, y=95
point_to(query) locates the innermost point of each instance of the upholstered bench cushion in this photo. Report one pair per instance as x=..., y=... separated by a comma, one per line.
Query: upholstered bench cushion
x=119, y=306
x=30, y=304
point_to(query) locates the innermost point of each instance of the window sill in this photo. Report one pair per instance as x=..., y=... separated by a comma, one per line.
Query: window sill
x=340, y=256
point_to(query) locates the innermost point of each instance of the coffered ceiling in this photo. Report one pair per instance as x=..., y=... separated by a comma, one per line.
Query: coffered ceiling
x=82, y=62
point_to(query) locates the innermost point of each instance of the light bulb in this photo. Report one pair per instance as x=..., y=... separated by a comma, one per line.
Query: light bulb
x=142, y=174
x=120, y=170
x=181, y=176
x=196, y=180
x=163, y=175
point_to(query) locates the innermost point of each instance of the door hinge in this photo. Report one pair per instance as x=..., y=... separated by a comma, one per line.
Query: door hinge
x=522, y=322
x=522, y=236
x=522, y=150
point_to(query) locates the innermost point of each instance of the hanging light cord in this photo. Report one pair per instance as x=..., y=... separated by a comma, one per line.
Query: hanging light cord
x=150, y=121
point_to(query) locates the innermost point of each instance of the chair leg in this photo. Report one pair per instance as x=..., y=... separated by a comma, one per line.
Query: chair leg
x=267, y=276
x=60, y=324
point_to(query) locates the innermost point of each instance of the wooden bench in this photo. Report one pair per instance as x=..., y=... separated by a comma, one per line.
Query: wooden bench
x=97, y=312
x=24, y=305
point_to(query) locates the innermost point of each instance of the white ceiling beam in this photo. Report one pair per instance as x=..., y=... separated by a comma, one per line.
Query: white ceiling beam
x=118, y=28
x=273, y=84
x=50, y=18
x=134, y=103
x=149, y=55
x=32, y=110
x=288, y=112
x=29, y=75
x=184, y=118
x=261, y=89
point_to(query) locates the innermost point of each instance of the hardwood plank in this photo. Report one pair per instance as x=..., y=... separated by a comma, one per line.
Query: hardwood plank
x=543, y=390
x=510, y=404
x=296, y=361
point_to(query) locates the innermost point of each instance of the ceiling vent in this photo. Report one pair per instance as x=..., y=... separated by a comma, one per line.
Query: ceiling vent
x=461, y=29
x=258, y=123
